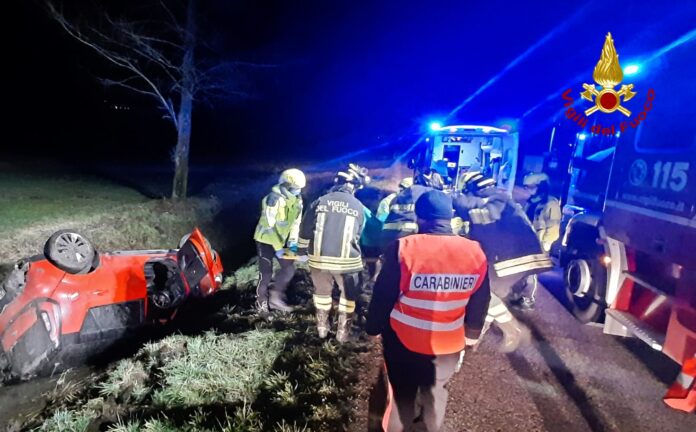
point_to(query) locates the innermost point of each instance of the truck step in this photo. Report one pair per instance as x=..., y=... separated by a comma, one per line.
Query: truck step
x=624, y=324
x=642, y=282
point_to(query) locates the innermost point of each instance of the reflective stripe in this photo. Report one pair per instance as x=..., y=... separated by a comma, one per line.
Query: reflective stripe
x=402, y=207
x=480, y=216
x=345, y=305
x=401, y=226
x=547, y=264
x=341, y=265
x=272, y=213
x=322, y=302
x=336, y=260
x=427, y=325
x=434, y=305
x=348, y=229
x=685, y=380
x=497, y=310
x=319, y=233
x=470, y=341
x=520, y=261
x=502, y=318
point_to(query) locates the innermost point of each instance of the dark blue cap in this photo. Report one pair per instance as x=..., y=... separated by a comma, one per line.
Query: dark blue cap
x=434, y=204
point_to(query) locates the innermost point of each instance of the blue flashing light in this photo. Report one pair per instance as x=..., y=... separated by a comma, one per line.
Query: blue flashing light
x=582, y=136
x=631, y=69
x=435, y=126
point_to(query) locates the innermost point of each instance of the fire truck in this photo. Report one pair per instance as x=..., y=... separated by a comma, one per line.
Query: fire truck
x=455, y=149
x=628, y=248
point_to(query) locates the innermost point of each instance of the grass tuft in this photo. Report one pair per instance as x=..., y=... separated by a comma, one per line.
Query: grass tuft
x=64, y=420
x=218, y=368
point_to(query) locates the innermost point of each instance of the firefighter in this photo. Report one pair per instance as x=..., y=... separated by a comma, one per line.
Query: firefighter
x=401, y=220
x=507, y=237
x=278, y=227
x=542, y=209
x=385, y=204
x=429, y=302
x=330, y=236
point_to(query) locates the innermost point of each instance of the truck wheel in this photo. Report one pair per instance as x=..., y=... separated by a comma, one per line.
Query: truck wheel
x=585, y=281
x=70, y=252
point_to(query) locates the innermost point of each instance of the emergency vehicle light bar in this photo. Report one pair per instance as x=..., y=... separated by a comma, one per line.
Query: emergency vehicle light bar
x=455, y=128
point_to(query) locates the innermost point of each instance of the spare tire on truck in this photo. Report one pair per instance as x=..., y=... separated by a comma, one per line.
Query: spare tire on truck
x=70, y=251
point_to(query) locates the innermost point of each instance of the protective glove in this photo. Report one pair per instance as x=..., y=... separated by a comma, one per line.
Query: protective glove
x=280, y=253
x=293, y=247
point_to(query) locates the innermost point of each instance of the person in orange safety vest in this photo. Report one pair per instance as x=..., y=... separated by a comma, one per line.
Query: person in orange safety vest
x=429, y=302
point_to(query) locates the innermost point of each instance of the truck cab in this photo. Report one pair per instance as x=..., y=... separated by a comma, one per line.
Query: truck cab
x=455, y=149
x=627, y=250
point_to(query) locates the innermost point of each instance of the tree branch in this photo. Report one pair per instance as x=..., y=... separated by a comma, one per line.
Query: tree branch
x=122, y=61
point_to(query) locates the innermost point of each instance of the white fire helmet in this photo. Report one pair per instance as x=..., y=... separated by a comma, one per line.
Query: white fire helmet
x=293, y=178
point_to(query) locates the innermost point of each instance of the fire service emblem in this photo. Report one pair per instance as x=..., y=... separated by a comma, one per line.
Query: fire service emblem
x=608, y=74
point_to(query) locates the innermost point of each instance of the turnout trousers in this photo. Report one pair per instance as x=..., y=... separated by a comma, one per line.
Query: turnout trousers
x=348, y=284
x=418, y=397
x=283, y=276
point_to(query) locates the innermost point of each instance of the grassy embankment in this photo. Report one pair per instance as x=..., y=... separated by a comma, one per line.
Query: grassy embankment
x=223, y=369
x=33, y=206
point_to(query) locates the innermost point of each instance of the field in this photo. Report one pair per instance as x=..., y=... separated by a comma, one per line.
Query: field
x=217, y=367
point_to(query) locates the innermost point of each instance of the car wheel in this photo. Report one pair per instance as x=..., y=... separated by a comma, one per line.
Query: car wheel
x=585, y=282
x=70, y=252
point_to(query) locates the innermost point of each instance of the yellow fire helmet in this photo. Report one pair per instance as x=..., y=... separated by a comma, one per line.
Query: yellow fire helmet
x=533, y=179
x=406, y=182
x=293, y=178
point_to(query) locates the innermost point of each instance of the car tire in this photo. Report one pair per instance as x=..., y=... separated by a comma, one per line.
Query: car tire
x=585, y=282
x=70, y=251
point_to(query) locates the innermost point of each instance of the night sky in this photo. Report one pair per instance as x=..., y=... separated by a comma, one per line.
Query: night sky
x=345, y=75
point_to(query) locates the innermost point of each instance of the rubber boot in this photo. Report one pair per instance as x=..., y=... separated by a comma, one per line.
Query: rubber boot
x=276, y=302
x=262, y=307
x=322, y=322
x=512, y=335
x=345, y=322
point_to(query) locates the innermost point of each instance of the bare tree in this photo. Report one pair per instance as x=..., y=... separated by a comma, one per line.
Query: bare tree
x=155, y=58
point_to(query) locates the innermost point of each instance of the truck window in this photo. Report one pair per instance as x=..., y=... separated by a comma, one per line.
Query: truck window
x=669, y=126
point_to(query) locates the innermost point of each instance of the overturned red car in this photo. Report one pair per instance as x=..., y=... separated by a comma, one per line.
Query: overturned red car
x=73, y=296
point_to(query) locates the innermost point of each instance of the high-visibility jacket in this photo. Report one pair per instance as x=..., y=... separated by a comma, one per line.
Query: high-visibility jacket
x=682, y=394
x=546, y=219
x=331, y=230
x=384, y=206
x=438, y=276
x=279, y=223
x=505, y=233
x=402, y=211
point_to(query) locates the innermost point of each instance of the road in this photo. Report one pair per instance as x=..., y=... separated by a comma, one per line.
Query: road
x=566, y=377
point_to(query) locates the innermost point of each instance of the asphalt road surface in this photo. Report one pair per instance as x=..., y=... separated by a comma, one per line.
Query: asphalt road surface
x=566, y=377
